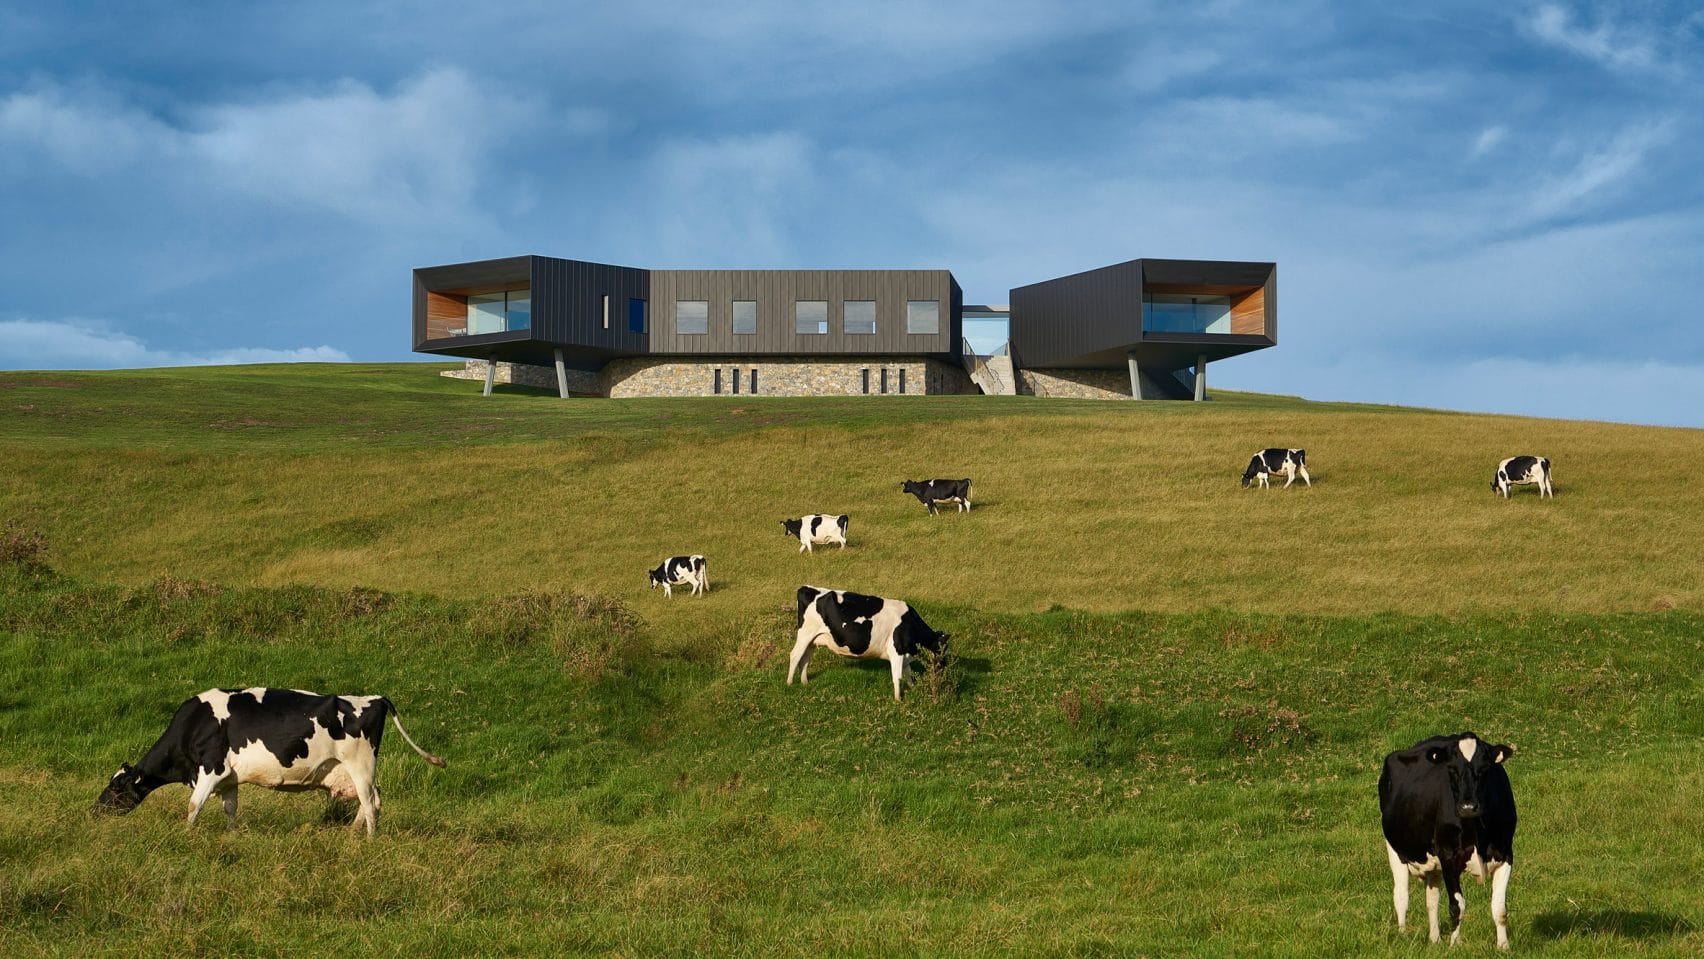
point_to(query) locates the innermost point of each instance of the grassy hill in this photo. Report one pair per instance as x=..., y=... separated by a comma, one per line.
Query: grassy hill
x=1159, y=735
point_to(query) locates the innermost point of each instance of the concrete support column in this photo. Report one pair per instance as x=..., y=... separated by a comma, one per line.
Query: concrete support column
x=1135, y=376
x=561, y=375
x=1200, y=377
x=490, y=375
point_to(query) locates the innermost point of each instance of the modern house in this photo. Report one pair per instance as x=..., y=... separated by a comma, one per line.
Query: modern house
x=595, y=329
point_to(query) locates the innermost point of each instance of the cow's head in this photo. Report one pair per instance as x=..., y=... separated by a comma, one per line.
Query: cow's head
x=656, y=577
x=1254, y=468
x=124, y=792
x=1467, y=759
x=936, y=643
x=792, y=526
x=911, y=486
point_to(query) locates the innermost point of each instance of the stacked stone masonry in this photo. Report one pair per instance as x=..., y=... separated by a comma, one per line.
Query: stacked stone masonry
x=1075, y=384
x=672, y=377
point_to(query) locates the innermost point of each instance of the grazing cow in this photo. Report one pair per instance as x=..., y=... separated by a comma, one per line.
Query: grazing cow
x=1521, y=471
x=1446, y=806
x=284, y=739
x=681, y=571
x=930, y=492
x=861, y=627
x=1276, y=460
x=817, y=528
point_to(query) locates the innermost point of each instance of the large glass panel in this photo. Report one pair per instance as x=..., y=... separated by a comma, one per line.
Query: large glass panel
x=1185, y=313
x=635, y=316
x=485, y=314
x=692, y=316
x=860, y=316
x=745, y=316
x=810, y=316
x=923, y=316
x=520, y=309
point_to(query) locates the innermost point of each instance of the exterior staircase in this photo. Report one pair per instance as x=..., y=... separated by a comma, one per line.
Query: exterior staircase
x=991, y=374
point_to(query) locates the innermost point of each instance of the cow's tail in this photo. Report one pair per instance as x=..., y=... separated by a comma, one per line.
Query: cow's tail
x=396, y=717
x=841, y=522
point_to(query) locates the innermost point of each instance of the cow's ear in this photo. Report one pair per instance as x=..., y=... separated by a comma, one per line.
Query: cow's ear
x=1437, y=755
x=1501, y=751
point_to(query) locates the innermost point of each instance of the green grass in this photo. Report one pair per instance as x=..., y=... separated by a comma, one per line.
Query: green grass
x=1159, y=735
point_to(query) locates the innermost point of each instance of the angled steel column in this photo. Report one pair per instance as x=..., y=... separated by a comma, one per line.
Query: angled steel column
x=1200, y=377
x=490, y=374
x=561, y=375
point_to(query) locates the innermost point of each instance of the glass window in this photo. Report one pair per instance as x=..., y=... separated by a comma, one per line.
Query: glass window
x=884, y=379
x=810, y=316
x=902, y=379
x=923, y=316
x=520, y=309
x=1185, y=313
x=736, y=372
x=692, y=316
x=866, y=372
x=754, y=379
x=717, y=388
x=635, y=316
x=745, y=316
x=860, y=316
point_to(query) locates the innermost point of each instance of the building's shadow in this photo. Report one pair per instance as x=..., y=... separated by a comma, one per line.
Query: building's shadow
x=1624, y=923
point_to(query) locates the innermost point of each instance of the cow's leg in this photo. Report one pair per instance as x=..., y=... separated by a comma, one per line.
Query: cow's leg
x=206, y=783
x=798, y=664
x=362, y=766
x=229, y=795
x=1289, y=474
x=1500, y=901
x=897, y=662
x=1458, y=902
x=668, y=592
x=1432, y=881
x=1304, y=471
x=1399, y=888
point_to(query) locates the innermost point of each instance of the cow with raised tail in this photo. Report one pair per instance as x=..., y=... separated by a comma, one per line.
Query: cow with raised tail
x=1290, y=462
x=1523, y=471
x=284, y=739
x=860, y=627
x=1446, y=807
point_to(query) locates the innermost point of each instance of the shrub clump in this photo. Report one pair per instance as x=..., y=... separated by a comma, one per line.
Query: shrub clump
x=593, y=635
x=21, y=545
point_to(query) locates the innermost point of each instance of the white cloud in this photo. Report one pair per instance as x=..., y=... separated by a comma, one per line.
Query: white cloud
x=414, y=154
x=1597, y=171
x=81, y=345
x=1489, y=139
x=1617, y=47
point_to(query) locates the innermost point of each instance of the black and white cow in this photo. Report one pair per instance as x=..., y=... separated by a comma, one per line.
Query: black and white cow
x=1446, y=806
x=930, y=492
x=1275, y=460
x=284, y=739
x=860, y=627
x=1523, y=471
x=681, y=571
x=817, y=528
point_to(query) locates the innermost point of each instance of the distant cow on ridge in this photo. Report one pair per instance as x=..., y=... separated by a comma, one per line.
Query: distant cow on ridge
x=284, y=739
x=930, y=492
x=681, y=571
x=860, y=627
x=817, y=528
x=1523, y=471
x=1275, y=460
x=1446, y=805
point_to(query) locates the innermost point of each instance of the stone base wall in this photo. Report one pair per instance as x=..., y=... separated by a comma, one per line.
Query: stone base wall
x=656, y=376
x=1075, y=384
x=527, y=374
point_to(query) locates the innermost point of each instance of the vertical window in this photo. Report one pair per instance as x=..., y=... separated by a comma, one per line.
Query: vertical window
x=736, y=372
x=884, y=379
x=692, y=316
x=866, y=372
x=716, y=386
x=923, y=316
x=810, y=316
x=635, y=316
x=860, y=316
x=606, y=311
x=745, y=316
x=754, y=379
x=902, y=379
x=519, y=309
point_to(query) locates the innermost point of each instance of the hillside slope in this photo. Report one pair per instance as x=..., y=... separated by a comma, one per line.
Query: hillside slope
x=391, y=477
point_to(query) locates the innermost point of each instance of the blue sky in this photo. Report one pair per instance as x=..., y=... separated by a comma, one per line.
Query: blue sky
x=1473, y=206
